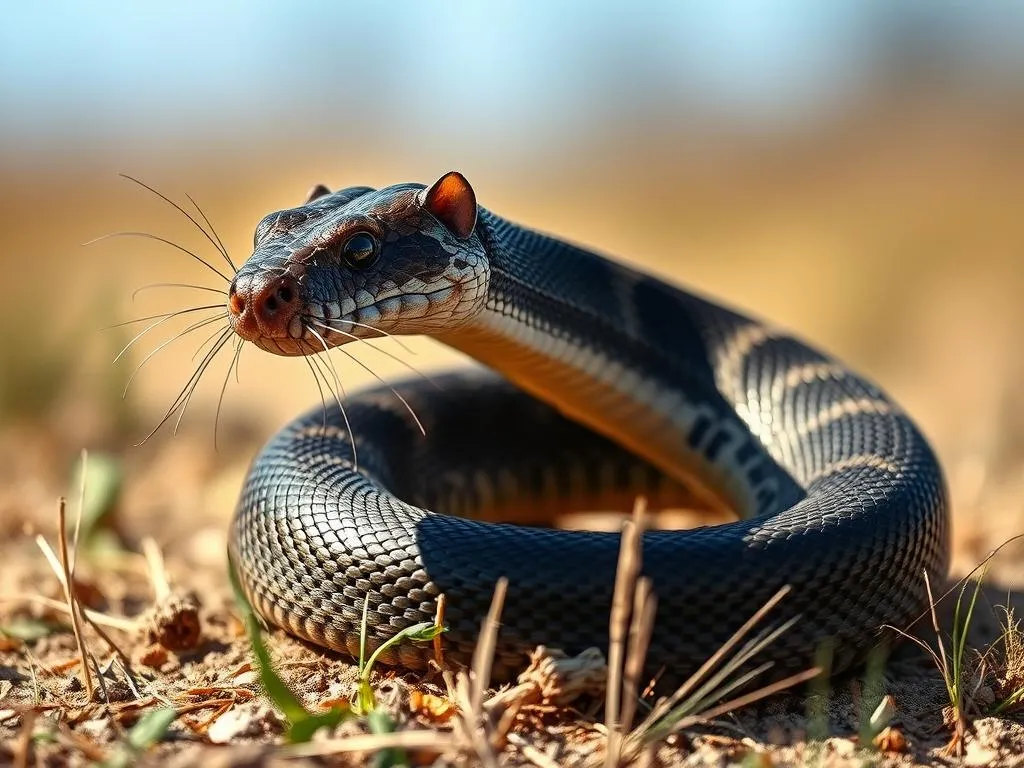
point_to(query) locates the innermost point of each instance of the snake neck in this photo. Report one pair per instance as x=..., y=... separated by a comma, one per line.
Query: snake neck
x=606, y=345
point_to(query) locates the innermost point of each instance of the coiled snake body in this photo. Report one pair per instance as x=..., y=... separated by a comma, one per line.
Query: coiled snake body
x=608, y=384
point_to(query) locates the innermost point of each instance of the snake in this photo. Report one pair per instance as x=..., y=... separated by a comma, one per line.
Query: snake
x=594, y=383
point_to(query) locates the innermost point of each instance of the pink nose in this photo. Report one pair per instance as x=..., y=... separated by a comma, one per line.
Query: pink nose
x=263, y=308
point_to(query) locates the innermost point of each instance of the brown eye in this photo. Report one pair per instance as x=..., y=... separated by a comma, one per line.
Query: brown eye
x=360, y=250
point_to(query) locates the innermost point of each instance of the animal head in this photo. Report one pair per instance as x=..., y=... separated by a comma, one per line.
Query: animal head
x=361, y=263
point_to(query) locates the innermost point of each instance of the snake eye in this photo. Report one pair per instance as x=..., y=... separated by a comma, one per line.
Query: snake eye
x=360, y=250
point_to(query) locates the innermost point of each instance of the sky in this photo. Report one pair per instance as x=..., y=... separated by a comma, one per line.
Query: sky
x=104, y=71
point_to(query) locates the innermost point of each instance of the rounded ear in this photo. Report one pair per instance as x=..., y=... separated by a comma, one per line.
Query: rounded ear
x=316, y=192
x=452, y=201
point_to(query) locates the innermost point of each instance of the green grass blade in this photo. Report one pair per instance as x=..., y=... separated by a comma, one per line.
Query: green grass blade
x=422, y=632
x=149, y=730
x=380, y=721
x=362, y=634
x=303, y=730
x=274, y=686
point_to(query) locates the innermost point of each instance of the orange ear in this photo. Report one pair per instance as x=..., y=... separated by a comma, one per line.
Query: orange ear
x=318, y=191
x=452, y=201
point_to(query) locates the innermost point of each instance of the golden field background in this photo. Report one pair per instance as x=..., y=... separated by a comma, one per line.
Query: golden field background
x=900, y=248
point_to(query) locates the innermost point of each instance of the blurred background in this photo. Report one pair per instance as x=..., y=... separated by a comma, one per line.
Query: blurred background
x=852, y=170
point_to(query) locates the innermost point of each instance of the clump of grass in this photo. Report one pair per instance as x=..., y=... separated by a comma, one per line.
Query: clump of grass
x=956, y=668
x=699, y=700
x=965, y=671
x=378, y=720
x=1008, y=669
x=424, y=632
x=303, y=724
x=875, y=707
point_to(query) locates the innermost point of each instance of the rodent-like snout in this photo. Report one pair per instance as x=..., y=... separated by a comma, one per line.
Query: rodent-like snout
x=263, y=308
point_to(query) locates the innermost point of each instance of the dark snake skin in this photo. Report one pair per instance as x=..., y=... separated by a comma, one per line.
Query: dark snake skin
x=847, y=501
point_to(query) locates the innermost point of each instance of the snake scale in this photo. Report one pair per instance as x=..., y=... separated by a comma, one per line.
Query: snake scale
x=598, y=383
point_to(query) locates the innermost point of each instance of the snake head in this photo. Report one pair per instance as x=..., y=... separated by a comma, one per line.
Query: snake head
x=361, y=263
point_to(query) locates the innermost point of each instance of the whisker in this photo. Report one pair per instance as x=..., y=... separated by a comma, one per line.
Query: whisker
x=238, y=366
x=384, y=352
x=165, y=315
x=215, y=243
x=373, y=373
x=341, y=407
x=165, y=241
x=151, y=286
x=193, y=380
x=149, y=328
x=344, y=414
x=220, y=243
x=206, y=364
x=223, y=389
x=383, y=333
x=202, y=346
x=194, y=327
x=323, y=400
x=330, y=367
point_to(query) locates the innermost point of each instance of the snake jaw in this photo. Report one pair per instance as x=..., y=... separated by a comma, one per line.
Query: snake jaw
x=428, y=309
x=414, y=307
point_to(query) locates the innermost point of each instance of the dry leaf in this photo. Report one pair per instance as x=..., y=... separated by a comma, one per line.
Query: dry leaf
x=890, y=739
x=155, y=656
x=436, y=709
x=233, y=723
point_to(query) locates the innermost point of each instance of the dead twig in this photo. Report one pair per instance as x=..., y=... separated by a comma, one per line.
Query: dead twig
x=630, y=559
x=79, y=612
x=93, y=617
x=471, y=688
x=69, y=595
x=23, y=748
x=157, y=570
x=371, y=742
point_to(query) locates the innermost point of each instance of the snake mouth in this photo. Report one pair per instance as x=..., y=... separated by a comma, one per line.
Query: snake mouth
x=398, y=311
x=321, y=326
